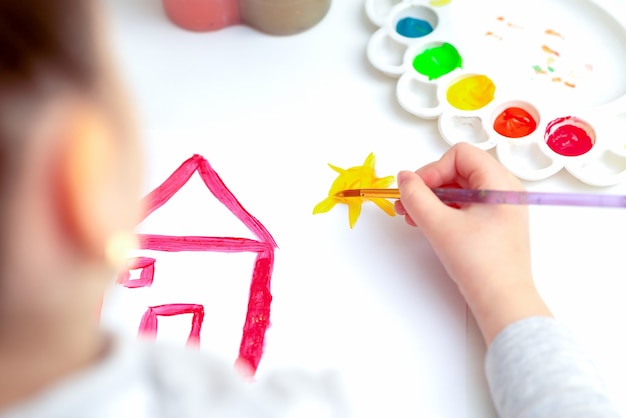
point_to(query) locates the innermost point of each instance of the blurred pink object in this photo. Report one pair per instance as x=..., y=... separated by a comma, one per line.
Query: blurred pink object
x=277, y=17
x=202, y=15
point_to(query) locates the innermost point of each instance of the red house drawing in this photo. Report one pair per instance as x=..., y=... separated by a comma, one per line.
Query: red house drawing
x=258, y=311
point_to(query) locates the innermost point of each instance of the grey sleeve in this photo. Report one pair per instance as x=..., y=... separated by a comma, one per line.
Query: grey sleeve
x=536, y=369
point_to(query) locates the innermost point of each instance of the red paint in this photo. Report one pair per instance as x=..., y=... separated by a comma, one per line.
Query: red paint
x=150, y=323
x=567, y=136
x=217, y=244
x=159, y=196
x=515, y=122
x=257, y=318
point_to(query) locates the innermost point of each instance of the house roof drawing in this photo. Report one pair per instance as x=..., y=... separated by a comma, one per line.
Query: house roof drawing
x=259, y=300
x=163, y=193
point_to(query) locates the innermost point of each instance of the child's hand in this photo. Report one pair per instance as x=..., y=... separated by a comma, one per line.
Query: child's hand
x=485, y=248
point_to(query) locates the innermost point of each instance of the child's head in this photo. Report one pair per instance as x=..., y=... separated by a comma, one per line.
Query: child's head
x=68, y=155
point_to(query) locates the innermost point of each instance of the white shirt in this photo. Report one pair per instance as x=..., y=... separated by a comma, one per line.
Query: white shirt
x=141, y=379
x=534, y=367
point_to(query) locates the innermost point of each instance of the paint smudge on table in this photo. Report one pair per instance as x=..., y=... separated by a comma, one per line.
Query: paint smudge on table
x=552, y=32
x=549, y=51
x=508, y=24
x=549, y=55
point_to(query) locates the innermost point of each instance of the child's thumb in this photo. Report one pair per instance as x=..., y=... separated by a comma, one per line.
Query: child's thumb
x=419, y=201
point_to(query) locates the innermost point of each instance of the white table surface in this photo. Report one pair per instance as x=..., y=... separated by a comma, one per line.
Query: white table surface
x=372, y=303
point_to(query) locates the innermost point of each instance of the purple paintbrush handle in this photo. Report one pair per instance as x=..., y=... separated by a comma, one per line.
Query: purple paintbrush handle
x=529, y=198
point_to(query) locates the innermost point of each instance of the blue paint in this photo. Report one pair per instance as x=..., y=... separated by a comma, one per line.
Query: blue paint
x=413, y=28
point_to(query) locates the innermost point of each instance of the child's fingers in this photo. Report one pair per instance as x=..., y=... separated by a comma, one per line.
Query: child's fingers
x=454, y=167
x=421, y=205
x=483, y=171
x=469, y=167
x=400, y=210
x=442, y=171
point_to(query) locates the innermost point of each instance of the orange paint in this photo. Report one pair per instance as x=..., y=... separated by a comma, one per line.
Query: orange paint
x=552, y=32
x=471, y=93
x=515, y=122
x=493, y=35
x=548, y=50
x=509, y=24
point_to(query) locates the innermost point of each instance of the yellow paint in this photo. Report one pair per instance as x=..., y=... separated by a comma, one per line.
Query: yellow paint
x=439, y=3
x=471, y=93
x=359, y=177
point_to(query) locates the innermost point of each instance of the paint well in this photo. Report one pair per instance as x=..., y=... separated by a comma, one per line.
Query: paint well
x=412, y=27
x=471, y=93
x=437, y=61
x=467, y=128
x=515, y=122
x=570, y=136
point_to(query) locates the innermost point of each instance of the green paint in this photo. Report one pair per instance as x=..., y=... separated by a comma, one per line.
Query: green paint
x=437, y=61
x=551, y=69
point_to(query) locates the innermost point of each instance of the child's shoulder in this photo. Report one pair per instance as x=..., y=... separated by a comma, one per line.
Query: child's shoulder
x=139, y=379
x=204, y=383
x=145, y=379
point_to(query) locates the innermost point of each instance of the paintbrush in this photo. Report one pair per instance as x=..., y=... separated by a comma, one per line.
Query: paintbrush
x=449, y=195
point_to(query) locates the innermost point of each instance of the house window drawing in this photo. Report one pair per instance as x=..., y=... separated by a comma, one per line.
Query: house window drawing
x=146, y=265
x=257, y=318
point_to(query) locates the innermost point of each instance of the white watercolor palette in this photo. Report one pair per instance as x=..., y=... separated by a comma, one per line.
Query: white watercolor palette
x=542, y=82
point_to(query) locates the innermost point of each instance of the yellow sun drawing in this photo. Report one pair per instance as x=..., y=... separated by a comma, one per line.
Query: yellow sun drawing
x=359, y=177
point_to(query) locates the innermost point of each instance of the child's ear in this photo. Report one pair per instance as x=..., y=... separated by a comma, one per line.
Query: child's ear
x=99, y=211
